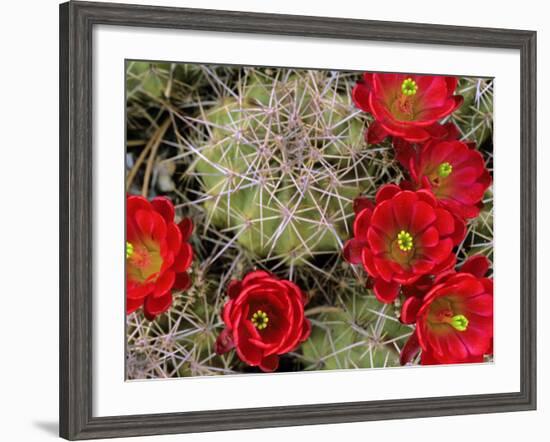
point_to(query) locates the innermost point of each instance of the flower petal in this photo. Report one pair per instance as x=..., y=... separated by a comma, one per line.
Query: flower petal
x=410, y=349
x=368, y=262
x=164, y=207
x=234, y=288
x=362, y=202
x=173, y=238
x=422, y=216
x=384, y=268
x=360, y=96
x=353, y=250
x=410, y=309
x=386, y=192
x=182, y=282
x=361, y=224
x=133, y=304
x=383, y=218
x=477, y=265
x=428, y=238
x=253, y=277
x=378, y=242
x=269, y=363
x=444, y=222
x=403, y=206
x=376, y=133
x=163, y=284
x=386, y=292
x=186, y=228
x=224, y=342
x=184, y=258
x=439, y=252
x=155, y=306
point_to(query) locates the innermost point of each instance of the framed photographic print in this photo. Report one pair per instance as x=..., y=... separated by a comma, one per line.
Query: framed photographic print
x=273, y=220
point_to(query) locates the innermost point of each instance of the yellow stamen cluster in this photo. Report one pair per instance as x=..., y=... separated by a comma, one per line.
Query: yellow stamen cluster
x=129, y=249
x=260, y=319
x=409, y=87
x=405, y=241
x=444, y=170
x=459, y=322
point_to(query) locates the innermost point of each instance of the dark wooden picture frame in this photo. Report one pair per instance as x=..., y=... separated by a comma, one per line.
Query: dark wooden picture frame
x=77, y=20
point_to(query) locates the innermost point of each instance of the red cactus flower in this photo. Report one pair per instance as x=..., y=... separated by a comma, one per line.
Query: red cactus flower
x=404, y=105
x=157, y=254
x=264, y=318
x=404, y=236
x=453, y=171
x=454, y=320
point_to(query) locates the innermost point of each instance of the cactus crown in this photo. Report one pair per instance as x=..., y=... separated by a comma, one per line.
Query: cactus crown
x=280, y=162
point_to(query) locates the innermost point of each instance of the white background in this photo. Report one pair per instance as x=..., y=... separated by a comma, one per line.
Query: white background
x=28, y=367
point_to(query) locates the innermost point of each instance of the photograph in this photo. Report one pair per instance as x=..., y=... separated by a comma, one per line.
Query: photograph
x=284, y=219
x=264, y=221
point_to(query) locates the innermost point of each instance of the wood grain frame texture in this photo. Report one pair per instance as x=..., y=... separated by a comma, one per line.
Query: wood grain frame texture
x=77, y=20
